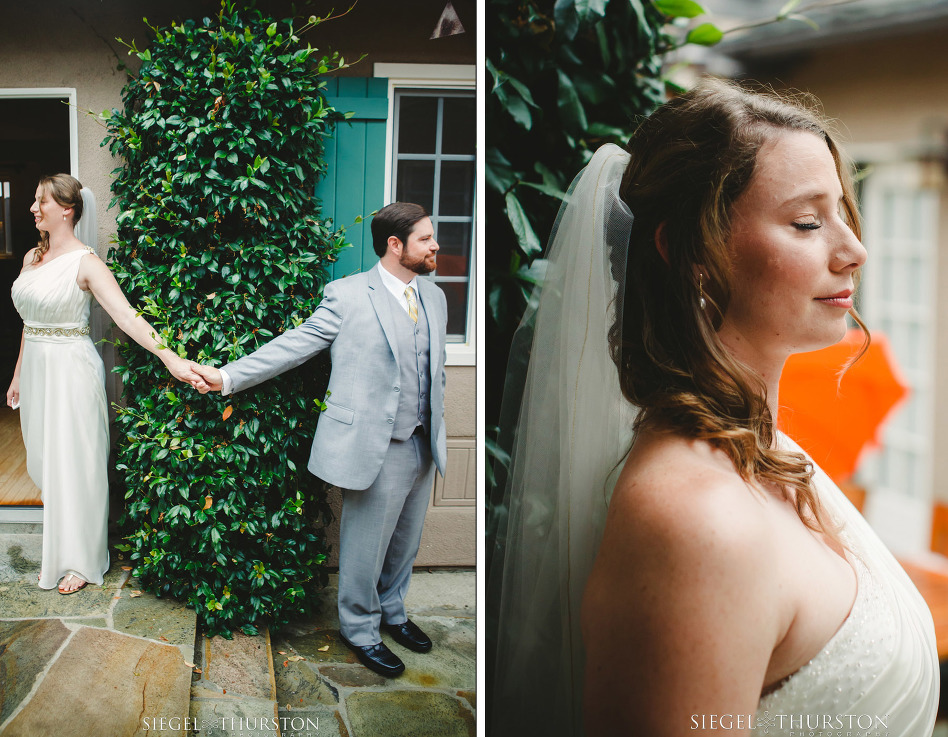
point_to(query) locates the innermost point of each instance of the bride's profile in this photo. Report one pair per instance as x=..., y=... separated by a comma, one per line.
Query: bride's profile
x=667, y=562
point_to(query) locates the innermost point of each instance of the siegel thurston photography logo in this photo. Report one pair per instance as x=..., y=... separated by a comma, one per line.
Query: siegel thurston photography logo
x=287, y=726
x=798, y=725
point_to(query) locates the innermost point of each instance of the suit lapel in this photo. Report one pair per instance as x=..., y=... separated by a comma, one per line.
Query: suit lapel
x=379, y=297
x=433, y=314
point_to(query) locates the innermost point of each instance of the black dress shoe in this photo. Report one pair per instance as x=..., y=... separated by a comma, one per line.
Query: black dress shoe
x=408, y=634
x=377, y=658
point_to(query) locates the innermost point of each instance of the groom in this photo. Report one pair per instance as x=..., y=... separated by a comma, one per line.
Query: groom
x=382, y=431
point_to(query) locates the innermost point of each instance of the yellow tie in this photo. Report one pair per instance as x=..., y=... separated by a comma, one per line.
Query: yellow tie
x=412, y=306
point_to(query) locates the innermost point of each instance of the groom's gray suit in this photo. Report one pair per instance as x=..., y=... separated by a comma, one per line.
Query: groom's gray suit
x=382, y=427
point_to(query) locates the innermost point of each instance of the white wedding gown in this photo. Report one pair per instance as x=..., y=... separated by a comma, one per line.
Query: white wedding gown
x=64, y=419
x=879, y=672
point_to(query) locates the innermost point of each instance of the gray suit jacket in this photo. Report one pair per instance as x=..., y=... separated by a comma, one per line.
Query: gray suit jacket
x=355, y=322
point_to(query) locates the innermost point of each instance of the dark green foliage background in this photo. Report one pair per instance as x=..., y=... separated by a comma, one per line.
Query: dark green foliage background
x=564, y=77
x=221, y=244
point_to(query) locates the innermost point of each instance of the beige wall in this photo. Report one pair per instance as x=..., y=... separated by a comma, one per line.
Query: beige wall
x=71, y=43
x=891, y=97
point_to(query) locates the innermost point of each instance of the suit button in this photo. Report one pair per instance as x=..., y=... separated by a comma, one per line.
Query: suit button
x=391, y=420
x=397, y=389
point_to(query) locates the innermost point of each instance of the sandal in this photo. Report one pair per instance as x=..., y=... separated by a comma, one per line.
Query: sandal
x=80, y=587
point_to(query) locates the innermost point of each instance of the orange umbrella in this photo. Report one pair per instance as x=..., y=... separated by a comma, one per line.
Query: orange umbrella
x=836, y=421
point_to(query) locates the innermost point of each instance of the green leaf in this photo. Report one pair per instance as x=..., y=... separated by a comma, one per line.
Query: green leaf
x=590, y=10
x=679, y=8
x=529, y=243
x=547, y=189
x=804, y=19
x=567, y=18
x=572, y=113
x=787, y=8
x=707, y=34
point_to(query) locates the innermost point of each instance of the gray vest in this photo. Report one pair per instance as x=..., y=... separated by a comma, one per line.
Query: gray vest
x=414, y=349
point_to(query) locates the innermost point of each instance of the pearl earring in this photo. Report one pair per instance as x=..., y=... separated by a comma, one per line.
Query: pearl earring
x=702, y=302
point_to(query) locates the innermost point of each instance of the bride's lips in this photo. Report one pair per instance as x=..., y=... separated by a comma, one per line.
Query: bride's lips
x=843, y=299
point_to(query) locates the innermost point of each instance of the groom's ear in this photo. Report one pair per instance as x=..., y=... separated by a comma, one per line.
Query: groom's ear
x=661, y=242
x=394, y=245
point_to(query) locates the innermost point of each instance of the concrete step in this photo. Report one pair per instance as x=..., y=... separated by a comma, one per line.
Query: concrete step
x=108, y=660
x=235, y=692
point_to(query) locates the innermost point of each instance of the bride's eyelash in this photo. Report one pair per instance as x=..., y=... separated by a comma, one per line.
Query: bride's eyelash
x=807, y=226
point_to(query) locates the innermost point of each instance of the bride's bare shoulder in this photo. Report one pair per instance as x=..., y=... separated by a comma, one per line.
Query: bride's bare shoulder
x=672, y=478
x=680, y=505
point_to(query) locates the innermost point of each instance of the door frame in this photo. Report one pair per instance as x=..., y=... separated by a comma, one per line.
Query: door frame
x=18, y=513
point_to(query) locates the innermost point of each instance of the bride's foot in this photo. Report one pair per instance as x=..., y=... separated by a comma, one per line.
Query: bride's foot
x=71, y=584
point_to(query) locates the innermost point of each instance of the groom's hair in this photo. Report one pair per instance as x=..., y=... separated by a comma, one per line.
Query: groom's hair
x=397, y=219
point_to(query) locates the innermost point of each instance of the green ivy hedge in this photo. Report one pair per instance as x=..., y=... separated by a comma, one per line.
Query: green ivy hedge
x=221, y=243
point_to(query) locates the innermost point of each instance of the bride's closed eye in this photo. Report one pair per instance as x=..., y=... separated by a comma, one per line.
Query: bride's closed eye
x=811, y=225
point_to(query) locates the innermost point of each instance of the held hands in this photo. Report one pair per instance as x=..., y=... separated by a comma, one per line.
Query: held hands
x=182, y=370
x=208, y=378
x=201, y=377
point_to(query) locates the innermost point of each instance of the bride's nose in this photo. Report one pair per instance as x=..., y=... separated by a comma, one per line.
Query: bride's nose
x=849, y=253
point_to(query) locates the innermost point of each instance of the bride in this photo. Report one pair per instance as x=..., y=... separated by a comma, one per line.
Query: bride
x=711, y=578
x=59, y=385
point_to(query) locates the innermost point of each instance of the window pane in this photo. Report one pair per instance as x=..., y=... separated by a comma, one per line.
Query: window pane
x=456, y=292
x=454, y=241
x=457, y=188
x=416, y=183
x=457, y=136
x=417, y=125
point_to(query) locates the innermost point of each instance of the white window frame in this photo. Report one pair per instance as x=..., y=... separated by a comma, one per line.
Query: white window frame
x=901, y=517
x=445, y=77
x=22, y=514
x=52, y=92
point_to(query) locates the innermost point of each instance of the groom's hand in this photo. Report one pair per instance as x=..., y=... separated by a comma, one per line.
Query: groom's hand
x=209, y=378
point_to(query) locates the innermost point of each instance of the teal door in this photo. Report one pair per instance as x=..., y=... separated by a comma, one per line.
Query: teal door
x=355, y=181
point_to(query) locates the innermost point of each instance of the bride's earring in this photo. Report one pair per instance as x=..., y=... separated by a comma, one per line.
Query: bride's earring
x=702, y=302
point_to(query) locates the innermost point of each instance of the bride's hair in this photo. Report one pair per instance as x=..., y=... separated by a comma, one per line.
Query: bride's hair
x=690, y=160
x=67, y=191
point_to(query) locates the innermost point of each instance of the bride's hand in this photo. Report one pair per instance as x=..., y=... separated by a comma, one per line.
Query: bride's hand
x=13, y=393
x=180, y=368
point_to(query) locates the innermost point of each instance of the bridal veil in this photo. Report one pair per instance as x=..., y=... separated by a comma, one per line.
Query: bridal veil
x=569, y=428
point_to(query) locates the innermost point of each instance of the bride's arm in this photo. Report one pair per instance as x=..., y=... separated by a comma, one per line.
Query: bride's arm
x=681, y=613
x=13, y=393
x=96, y=277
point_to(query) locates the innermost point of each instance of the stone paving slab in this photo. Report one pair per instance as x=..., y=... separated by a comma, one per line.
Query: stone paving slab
x=240, y=665
x=167, y=620
x=409, y=714
x=25, y=649
x=100, y=662
x=436, y=696
x=106, y=683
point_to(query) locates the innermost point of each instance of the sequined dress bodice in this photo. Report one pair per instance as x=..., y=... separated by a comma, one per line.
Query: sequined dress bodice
x=879, y=672
x=855, y=656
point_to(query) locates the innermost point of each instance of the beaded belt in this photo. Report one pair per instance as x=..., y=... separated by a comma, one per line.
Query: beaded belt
x=57, y=332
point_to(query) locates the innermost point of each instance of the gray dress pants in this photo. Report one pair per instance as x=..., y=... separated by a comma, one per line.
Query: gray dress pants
x=380, y=532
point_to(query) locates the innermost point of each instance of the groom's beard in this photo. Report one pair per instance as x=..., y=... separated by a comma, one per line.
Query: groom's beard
x=423, y=265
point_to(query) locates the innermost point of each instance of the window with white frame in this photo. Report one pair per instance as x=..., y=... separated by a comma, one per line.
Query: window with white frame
x=901, y=236
x=433, y=166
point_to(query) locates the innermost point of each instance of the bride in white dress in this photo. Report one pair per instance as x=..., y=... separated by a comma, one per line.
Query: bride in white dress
x=59, y=385
x=711, y=580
